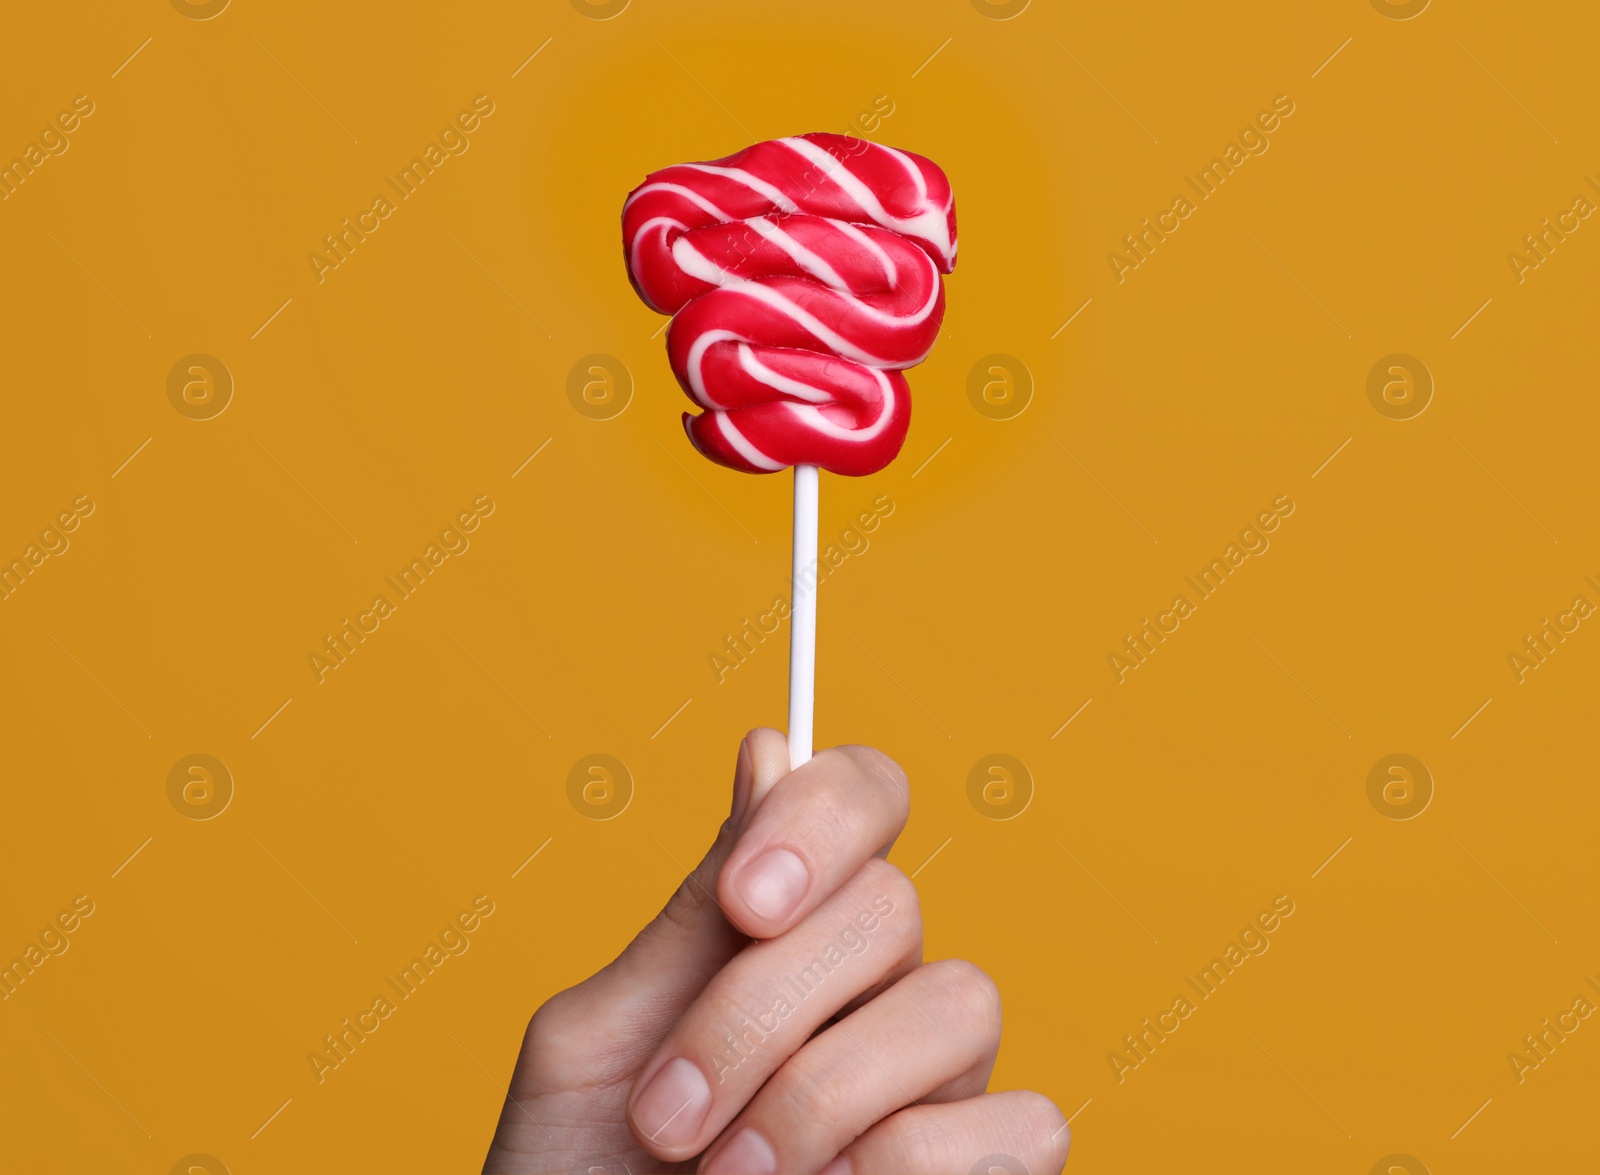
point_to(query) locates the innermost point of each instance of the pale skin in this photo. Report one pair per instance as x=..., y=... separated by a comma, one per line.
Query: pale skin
x=777, y=1014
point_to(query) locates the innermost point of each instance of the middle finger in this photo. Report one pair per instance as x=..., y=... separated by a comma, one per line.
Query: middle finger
x=930, y=1037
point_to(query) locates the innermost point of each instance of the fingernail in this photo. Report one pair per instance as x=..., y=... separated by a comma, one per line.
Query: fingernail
x=839, y=1166
x=748, y=1153
x=743, y=776
x=674, y=1104
x=773, y=884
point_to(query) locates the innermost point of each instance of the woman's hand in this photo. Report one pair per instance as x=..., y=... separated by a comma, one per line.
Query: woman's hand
x=824, y=1045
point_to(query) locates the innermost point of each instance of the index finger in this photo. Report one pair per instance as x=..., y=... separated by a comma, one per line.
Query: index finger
x=809, y=835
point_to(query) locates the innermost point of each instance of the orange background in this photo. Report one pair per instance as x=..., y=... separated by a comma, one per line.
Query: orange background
x=369, y=409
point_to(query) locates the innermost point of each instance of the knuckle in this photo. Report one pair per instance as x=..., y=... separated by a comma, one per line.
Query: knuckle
x=968, y=990
x=686, y=908
x=835, y=813
x=554, y=1020
x=556, y=1032
x=818, y=1100
x=1038, y=1112
x=887, y=887
x=920, y=1149
x=853, y=795
x=730, y=1024
x=1041, y=1118
x=896, y=901
x=884, y=772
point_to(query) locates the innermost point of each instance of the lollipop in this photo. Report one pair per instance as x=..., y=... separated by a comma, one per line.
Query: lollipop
x=802, y=275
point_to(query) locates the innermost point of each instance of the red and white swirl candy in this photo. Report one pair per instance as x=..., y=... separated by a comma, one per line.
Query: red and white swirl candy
x=803, y=276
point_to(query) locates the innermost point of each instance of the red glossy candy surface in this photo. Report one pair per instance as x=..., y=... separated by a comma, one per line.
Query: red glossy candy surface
x=802, y=275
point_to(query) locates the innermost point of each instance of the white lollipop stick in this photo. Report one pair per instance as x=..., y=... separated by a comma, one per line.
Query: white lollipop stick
x=803, y=616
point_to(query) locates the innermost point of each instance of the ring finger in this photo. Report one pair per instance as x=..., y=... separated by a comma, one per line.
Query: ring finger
x=935, y=1032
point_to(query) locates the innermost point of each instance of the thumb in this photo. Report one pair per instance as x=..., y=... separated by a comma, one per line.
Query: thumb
x=673, y=958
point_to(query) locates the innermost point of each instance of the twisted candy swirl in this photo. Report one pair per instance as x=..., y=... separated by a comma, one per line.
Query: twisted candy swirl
x=803, y=275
